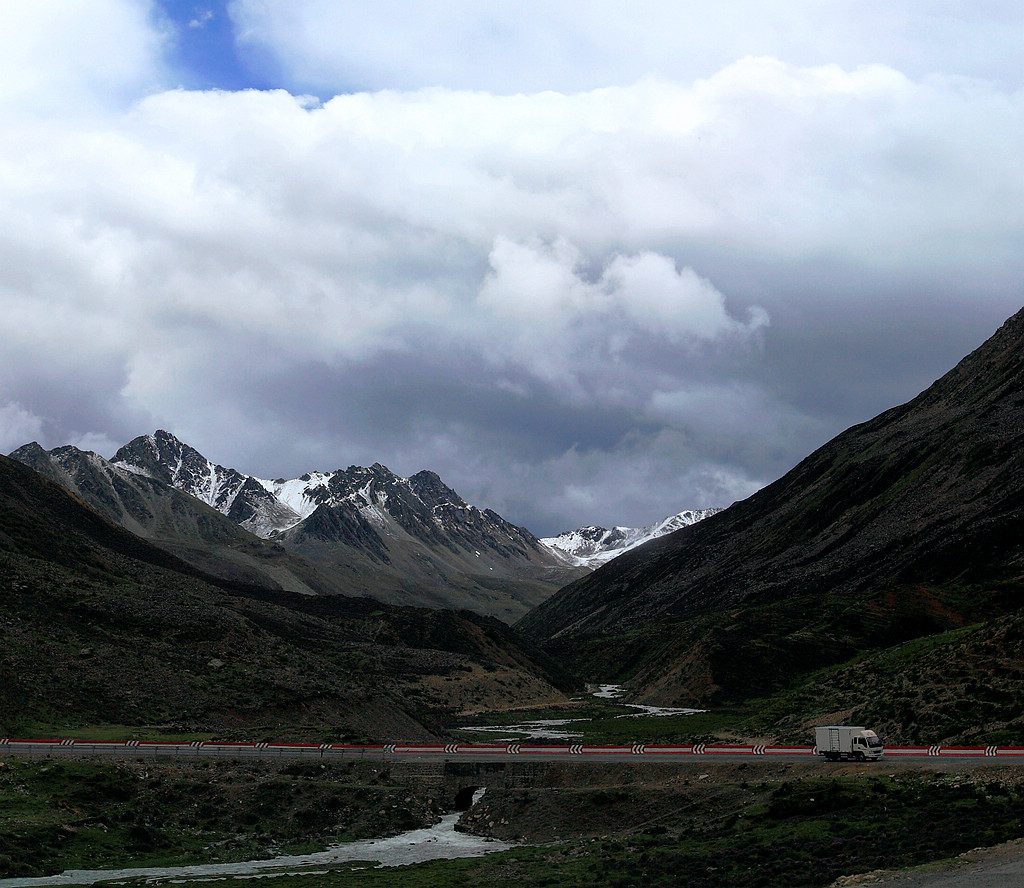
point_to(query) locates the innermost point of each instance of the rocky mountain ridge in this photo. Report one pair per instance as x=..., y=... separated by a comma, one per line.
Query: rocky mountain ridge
x=176, y=521
x=241, y=498
x=357, y=531
x=593, y=546
x=421, y=506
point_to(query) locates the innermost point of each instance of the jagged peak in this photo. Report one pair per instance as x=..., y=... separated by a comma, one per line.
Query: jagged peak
x=269, y=507
x=33, y=447
x=593, y=545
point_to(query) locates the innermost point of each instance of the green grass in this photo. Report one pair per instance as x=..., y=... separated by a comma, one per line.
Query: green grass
x=90, y=814
x=799, y=833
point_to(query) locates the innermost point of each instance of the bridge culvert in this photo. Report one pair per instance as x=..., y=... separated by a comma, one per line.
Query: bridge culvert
x=464, y=798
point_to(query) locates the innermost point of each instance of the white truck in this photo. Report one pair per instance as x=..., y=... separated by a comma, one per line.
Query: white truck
x=837, y=742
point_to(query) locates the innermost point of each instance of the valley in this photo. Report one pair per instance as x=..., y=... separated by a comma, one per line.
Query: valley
x=880, y=582
x=805, y=824
x=902, y=528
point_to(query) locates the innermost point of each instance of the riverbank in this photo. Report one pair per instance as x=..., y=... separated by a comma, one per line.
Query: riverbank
x=442, y=841
x=715, y=823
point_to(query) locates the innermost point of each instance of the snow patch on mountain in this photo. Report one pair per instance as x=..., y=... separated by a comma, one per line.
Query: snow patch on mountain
x=302, y=495
x=593, y=546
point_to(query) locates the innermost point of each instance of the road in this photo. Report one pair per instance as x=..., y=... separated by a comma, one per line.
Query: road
x=510, y=752
x=1003, y=866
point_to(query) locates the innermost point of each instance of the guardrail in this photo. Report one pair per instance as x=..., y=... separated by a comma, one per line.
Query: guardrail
x=225, y=749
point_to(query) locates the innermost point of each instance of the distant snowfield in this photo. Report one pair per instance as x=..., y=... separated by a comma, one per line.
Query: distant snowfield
x=438, y=842
x=593, y=546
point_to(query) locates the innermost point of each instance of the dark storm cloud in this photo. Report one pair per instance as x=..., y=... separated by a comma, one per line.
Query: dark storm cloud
x=393, y=395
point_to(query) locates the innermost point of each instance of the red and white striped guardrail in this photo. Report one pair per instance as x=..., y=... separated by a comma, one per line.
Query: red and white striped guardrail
x=909, y=750
x=226, y=749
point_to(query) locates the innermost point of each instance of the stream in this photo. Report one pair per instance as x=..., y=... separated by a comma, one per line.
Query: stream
x=440, y=841
x=559, y=728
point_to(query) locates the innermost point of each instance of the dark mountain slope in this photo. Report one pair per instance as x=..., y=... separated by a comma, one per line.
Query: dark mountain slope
x=416, y=540
x=145, y=506
x=98, y=626
x=41, y=519
x=183, y=525
x=895, y=528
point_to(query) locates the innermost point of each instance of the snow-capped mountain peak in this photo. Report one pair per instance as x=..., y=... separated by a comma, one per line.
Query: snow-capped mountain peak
x=359, y=531
x=421, y=507
x=242, y=498
x=592, y=546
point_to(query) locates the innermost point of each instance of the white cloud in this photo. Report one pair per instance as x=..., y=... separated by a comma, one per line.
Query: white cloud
x=543, y=289
x=568, y=45
x=675, y=304
x=68, y=57
x=590, y=262
x=201, y=18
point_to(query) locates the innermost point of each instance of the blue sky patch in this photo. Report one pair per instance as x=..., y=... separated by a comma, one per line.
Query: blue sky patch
x=204, y=53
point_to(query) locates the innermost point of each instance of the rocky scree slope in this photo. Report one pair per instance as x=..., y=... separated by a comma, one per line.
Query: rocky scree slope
x=905, y=525
x=98, y=626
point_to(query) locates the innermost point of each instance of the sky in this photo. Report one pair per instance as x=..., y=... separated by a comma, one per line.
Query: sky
x=593, y=263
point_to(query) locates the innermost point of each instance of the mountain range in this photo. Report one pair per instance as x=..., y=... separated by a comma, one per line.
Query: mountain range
x=358, y=531
x=907, y=525
x=881, y=580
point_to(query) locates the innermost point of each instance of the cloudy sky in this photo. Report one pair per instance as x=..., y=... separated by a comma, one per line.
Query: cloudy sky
x=591, y=262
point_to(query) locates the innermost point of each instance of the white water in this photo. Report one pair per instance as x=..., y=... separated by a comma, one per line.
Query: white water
x=437, y=842
x=541, y=729
x=613, y=692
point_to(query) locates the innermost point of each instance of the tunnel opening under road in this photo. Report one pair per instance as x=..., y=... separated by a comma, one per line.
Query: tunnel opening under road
x=464, y=798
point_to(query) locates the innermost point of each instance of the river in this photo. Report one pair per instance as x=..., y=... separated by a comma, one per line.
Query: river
x=440, y=841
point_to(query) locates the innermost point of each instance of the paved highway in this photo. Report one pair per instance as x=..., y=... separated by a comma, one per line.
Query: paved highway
x=509, y=752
